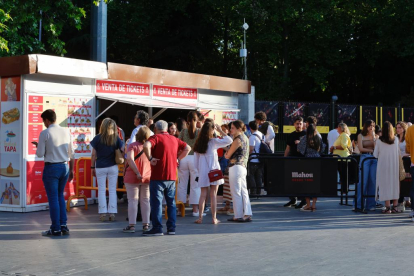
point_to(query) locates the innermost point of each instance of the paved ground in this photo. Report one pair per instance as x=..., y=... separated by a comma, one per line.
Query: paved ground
x=280, y=241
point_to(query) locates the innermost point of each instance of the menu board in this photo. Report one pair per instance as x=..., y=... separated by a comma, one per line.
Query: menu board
x=10, y=140
x=79, y=114
x=75, y=113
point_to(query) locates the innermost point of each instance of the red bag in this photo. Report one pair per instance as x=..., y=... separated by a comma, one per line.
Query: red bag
x=215, y=175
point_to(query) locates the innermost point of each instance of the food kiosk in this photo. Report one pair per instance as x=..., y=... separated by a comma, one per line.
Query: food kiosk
x=81, y=91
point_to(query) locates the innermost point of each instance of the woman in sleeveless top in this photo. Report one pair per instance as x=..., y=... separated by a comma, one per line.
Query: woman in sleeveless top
x=366, y=145
x=238, y=157
x=186, y=169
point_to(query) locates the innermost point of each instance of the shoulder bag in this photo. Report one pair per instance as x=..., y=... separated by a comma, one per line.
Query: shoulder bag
x=214, y=175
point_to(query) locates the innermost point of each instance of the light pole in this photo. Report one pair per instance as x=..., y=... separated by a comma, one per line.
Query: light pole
x=243, y=51
x=334, y=99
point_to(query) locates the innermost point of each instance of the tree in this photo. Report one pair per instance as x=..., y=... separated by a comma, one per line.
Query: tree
x=22, y=31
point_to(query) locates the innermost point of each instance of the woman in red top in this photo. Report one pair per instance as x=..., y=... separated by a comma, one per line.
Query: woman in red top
x=136, y=179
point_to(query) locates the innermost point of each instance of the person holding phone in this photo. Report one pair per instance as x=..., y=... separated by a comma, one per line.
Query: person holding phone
x=55, y=146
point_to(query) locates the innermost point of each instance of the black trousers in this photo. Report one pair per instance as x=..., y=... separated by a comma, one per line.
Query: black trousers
x=255, y=178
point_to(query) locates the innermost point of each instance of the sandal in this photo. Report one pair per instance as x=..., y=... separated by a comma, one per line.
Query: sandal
x=247, y=219
x=387, y=210
x=395, y=210
x=306, y=209
x=129, y=229
x=145, y=227
x=112, y=217
x=313, y=209
x=102, y=217
x=199, y=221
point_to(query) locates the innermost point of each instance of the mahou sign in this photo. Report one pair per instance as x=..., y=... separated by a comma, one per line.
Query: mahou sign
x=125, y=88
x=174, y=92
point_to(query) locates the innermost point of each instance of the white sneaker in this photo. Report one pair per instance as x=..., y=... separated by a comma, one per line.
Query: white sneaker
x=412, y=213
x=197, y=214
x=206, y=209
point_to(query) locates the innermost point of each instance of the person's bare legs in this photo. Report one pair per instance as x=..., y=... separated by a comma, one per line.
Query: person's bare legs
x=314, y=203
x=195, y=208
x=213, y=202
x=201, y=204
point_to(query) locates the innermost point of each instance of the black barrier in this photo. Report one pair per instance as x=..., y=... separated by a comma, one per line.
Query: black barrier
x=299, y=176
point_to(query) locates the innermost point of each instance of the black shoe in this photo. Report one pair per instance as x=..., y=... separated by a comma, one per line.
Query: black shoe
x=50, y=232
x=153, y=232
x=64, y=229
x=290, y=203
x=171, y=232
x=300, y=205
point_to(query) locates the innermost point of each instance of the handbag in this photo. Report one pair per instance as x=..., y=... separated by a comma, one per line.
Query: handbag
x=214, y=175
x=401, y=168
x=119, y=158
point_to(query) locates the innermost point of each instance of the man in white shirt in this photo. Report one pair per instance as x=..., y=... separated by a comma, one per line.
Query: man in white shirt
x=332, y=136
x=141, y=119
x=55, y=146
x=255, y=175
x=266, y=129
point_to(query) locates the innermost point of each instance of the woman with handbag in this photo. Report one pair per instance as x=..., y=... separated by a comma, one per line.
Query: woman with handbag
x=206, y=161
x=238, y=155
x=388, y=169
x=136, y=179
x=106, y=155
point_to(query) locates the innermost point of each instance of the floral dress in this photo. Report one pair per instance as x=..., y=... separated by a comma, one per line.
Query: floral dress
x=310, y=152
x=239, y=156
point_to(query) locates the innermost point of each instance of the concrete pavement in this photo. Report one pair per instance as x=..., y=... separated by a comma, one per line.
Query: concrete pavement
x=280, y=241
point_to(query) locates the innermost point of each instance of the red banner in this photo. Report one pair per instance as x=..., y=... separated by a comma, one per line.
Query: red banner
x=36, y=99
x=125, y=88
x=34, y=118
x=33, y=134
x=174, y=92
x=36, y=107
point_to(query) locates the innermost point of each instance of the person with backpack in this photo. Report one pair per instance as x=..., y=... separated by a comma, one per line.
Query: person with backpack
x=266, y=128
x=255, y=174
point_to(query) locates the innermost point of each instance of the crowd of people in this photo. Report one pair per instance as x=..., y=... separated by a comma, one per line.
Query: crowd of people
x=201, y=155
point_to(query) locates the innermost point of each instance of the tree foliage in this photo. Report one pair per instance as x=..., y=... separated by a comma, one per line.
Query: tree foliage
x=22, y=32
x=361, y=51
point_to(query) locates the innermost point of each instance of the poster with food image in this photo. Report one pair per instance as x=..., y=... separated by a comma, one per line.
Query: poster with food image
x=10, y=114
x=229, y=116
x=10, y=192
x=10, y=165
x=10, y=140
x=35, y=190
x=10, y=89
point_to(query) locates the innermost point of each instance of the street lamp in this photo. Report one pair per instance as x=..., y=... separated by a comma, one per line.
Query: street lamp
x=243, y=51
x=334, y=99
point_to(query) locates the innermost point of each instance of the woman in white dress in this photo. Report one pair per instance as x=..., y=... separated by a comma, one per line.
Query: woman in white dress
x=388, y=183
x=205, y=160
